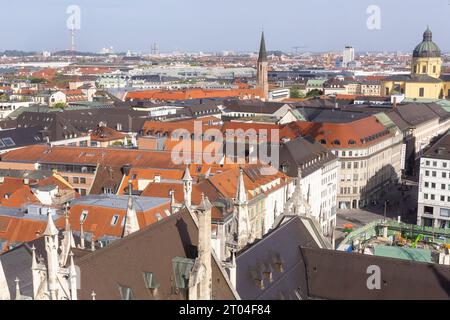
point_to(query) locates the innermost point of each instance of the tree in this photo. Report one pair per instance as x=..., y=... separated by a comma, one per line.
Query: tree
x=296, y=94
x=314, y=93
x=60, y=105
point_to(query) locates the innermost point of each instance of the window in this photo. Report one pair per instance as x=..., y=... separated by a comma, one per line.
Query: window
x=83, y=216
x=427, y=163
x=434, y=163
x=83, y=192
x=443, y=186
x=444, y=164
x=349, y=165
x=428, y=210
x=442, y=198
x=126, y=293
x=424, y=69
x=107, y=190
x=355, y=165
x=434, y=69
x=8, y=142
x=114, y=219
x=433, y=173
x=425, y=195
x=433, y=185
x=427, y=173
x=76, y=180
x=432, y=197
x=444, y=174
x=427, y=184
x=83, y=180
x=342, y=165
x=421, y=92
x=445, y=212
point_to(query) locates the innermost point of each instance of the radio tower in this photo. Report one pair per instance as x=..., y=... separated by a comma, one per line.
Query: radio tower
x=72, y=41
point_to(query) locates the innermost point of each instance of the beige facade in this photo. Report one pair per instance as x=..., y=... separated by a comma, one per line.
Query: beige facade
x=364, y=172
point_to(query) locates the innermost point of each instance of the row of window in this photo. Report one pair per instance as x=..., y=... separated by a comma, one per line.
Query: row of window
x=435, y=163
x=432, y=185
x=431, y=196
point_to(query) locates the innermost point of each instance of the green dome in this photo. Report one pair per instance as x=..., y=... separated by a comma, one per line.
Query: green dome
x=427, y=48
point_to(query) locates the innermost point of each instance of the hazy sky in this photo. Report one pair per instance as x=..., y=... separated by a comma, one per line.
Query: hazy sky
x=212, y=25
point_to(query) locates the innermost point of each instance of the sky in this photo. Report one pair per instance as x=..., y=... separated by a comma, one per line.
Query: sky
x=213, y=25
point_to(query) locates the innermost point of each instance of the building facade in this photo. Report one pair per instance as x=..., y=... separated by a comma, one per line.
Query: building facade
x=434, y=186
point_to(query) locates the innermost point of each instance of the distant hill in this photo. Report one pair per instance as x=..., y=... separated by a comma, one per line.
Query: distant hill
x=17, y=53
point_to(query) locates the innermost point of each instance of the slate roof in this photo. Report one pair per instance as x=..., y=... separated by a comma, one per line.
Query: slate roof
x=149, y=250
x=342, y=275
x=280, y=245
x=301, y=151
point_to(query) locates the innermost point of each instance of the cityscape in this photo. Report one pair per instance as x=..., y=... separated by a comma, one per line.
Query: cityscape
x=261, y=174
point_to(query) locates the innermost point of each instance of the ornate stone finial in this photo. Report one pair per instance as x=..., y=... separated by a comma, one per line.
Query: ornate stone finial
x=33, y=257
x=93, y=294
x=18, y=294
x=82, y=235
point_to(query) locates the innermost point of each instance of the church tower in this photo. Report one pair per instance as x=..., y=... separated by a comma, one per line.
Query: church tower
x=427, y=57
x=262, y=68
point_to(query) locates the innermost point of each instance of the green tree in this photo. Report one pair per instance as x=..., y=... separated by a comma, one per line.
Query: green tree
x=314, y=93
x=60, y=105
x=296, y=94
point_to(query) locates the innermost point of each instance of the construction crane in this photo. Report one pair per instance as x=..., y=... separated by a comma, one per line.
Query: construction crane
x=298, y=47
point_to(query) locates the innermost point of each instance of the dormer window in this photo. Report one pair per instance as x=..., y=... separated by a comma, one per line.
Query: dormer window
x=126, y=293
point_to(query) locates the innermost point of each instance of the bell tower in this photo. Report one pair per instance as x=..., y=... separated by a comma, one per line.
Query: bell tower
x=262, y=66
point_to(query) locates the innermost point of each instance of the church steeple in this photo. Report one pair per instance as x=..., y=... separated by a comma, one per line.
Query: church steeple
x=262, y=66
x=262, y=49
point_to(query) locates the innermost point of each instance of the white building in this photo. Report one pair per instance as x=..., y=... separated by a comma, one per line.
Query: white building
x=434, y=186
x=319, y=178
x=348, y=55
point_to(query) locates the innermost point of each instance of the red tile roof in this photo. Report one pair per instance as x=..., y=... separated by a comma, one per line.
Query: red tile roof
x=191, y=94
x=356, y=134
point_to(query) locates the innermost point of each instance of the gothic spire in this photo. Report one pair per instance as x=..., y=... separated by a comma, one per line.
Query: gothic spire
x=262, y=50
x=51, y=229
x=241, y=194
x=187, y=175
x=131, y=220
